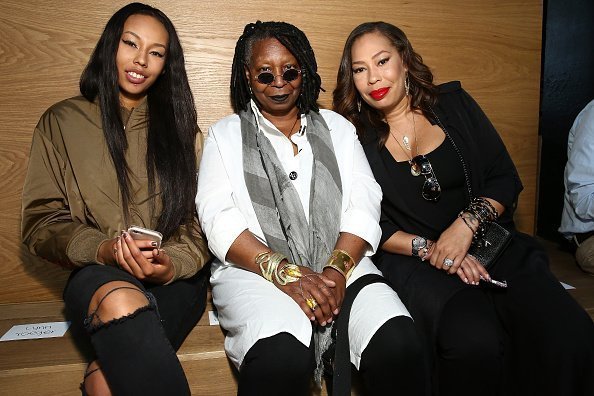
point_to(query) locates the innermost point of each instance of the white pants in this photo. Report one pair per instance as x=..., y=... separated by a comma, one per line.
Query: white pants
x=250, y=308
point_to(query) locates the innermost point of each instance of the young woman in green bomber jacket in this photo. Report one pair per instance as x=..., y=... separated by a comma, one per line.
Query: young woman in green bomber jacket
x=123, y=154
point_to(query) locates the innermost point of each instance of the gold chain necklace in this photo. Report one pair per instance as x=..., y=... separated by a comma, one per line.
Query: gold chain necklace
x=414, y=168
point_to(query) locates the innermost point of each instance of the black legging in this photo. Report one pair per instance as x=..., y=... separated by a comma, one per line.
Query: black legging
x=391, y=363
x=469, y=346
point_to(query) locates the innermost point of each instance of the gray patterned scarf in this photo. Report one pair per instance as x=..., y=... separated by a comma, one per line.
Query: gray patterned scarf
x=279, y=209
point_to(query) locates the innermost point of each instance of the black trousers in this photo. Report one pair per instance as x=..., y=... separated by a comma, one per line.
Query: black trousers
x=137, y=352
x=545, y=338
x=392, y=363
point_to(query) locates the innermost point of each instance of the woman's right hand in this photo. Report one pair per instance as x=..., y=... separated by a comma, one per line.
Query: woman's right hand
x=313, y=285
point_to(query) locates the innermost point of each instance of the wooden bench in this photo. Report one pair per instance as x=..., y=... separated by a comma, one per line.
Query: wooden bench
x=54, y=366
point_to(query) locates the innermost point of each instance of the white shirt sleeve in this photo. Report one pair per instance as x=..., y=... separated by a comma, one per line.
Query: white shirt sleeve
x=221, y=219
x=362, y=213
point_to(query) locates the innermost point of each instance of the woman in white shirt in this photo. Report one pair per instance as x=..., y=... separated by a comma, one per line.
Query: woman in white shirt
x=290, y=209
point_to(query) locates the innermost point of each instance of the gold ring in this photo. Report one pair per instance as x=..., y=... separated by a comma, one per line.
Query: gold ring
x=311, y=303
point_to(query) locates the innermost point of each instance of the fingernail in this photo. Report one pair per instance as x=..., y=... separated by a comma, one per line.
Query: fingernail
x=335, y=312
x=312, y=318
x=154, y=244
x=329, y=320
x=465, y=280
x=323, y=323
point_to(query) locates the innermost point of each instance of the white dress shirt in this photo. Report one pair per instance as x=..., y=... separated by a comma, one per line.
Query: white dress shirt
x=249, y=307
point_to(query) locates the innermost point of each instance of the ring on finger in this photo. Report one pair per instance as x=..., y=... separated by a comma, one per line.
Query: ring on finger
x=448, y=262
x=311, y=303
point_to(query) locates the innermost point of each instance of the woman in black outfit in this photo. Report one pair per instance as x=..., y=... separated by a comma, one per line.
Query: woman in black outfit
x=446, y=175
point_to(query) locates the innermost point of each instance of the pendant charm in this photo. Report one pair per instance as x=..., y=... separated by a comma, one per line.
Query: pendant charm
x=406, y=142
x=415, y=170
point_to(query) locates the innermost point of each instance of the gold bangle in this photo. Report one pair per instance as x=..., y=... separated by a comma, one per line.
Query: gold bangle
x=342, y=262
x=263, y=261
x=269, y=266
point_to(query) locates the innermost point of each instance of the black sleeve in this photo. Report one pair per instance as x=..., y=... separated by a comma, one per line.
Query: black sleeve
x=499, y=178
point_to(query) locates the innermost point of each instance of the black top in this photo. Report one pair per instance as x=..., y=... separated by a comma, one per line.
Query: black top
x=491, y=171
x=427, y=218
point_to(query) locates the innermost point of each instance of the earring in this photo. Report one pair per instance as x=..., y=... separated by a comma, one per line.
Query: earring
x=407, y=85
x=359, y=104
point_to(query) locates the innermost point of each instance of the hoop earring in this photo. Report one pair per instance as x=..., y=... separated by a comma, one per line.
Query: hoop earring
x=407, y=85
x=359, y=105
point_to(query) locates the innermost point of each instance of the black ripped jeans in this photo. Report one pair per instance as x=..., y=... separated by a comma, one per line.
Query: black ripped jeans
x=137, y=352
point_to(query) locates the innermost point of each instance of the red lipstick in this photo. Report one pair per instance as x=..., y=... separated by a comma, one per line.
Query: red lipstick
x=378, y=94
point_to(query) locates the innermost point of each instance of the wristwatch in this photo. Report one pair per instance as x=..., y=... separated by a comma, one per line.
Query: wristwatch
x=419, y=244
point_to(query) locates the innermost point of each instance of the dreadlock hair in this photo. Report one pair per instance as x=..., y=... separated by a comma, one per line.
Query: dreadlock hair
x=172, y=121
x=296, y=42
x=423, y=93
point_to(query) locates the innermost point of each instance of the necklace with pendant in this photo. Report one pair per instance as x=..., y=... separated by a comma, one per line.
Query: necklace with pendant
x=406, y=142
x=415, y=170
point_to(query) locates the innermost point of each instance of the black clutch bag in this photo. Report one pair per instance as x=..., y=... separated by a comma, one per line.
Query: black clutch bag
x=488, y=249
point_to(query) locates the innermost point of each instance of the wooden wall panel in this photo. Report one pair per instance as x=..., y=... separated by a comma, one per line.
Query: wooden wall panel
x=492, y=46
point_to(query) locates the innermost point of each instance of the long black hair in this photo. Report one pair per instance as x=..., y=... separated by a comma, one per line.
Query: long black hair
x=296, y=42
x=172, y=121
x=423, y=92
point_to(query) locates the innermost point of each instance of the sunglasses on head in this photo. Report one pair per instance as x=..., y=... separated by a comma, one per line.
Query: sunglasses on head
x=431, y=189
x=268, y=78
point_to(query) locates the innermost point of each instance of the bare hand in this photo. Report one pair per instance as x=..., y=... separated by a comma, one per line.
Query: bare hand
x=141, y=259
x=316, y=286
x=471, y=271
x=340, y=289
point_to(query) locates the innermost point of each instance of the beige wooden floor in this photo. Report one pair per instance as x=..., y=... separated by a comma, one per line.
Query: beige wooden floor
x=566, y=270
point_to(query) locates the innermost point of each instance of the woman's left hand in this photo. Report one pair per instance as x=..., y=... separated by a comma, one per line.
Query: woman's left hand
x=137, y=258
x=451, y=247
x=338, y=290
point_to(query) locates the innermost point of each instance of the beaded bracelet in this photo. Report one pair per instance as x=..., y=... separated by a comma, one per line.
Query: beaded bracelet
x=483, y=212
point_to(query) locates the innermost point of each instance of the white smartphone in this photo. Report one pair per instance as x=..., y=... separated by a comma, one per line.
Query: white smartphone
x=137, y=232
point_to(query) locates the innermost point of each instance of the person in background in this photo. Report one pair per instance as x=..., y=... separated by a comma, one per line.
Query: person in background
x=290, y=210
x=446, y=177
x=577, y=219
x=124, y=153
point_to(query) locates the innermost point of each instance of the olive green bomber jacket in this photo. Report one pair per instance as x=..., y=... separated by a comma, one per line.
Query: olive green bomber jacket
x=71, y=198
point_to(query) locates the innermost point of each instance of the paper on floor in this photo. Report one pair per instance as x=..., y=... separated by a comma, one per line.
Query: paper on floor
x=33, y=331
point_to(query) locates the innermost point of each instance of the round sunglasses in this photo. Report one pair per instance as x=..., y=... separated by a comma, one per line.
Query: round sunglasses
x=268, y=78
x=431, y=190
